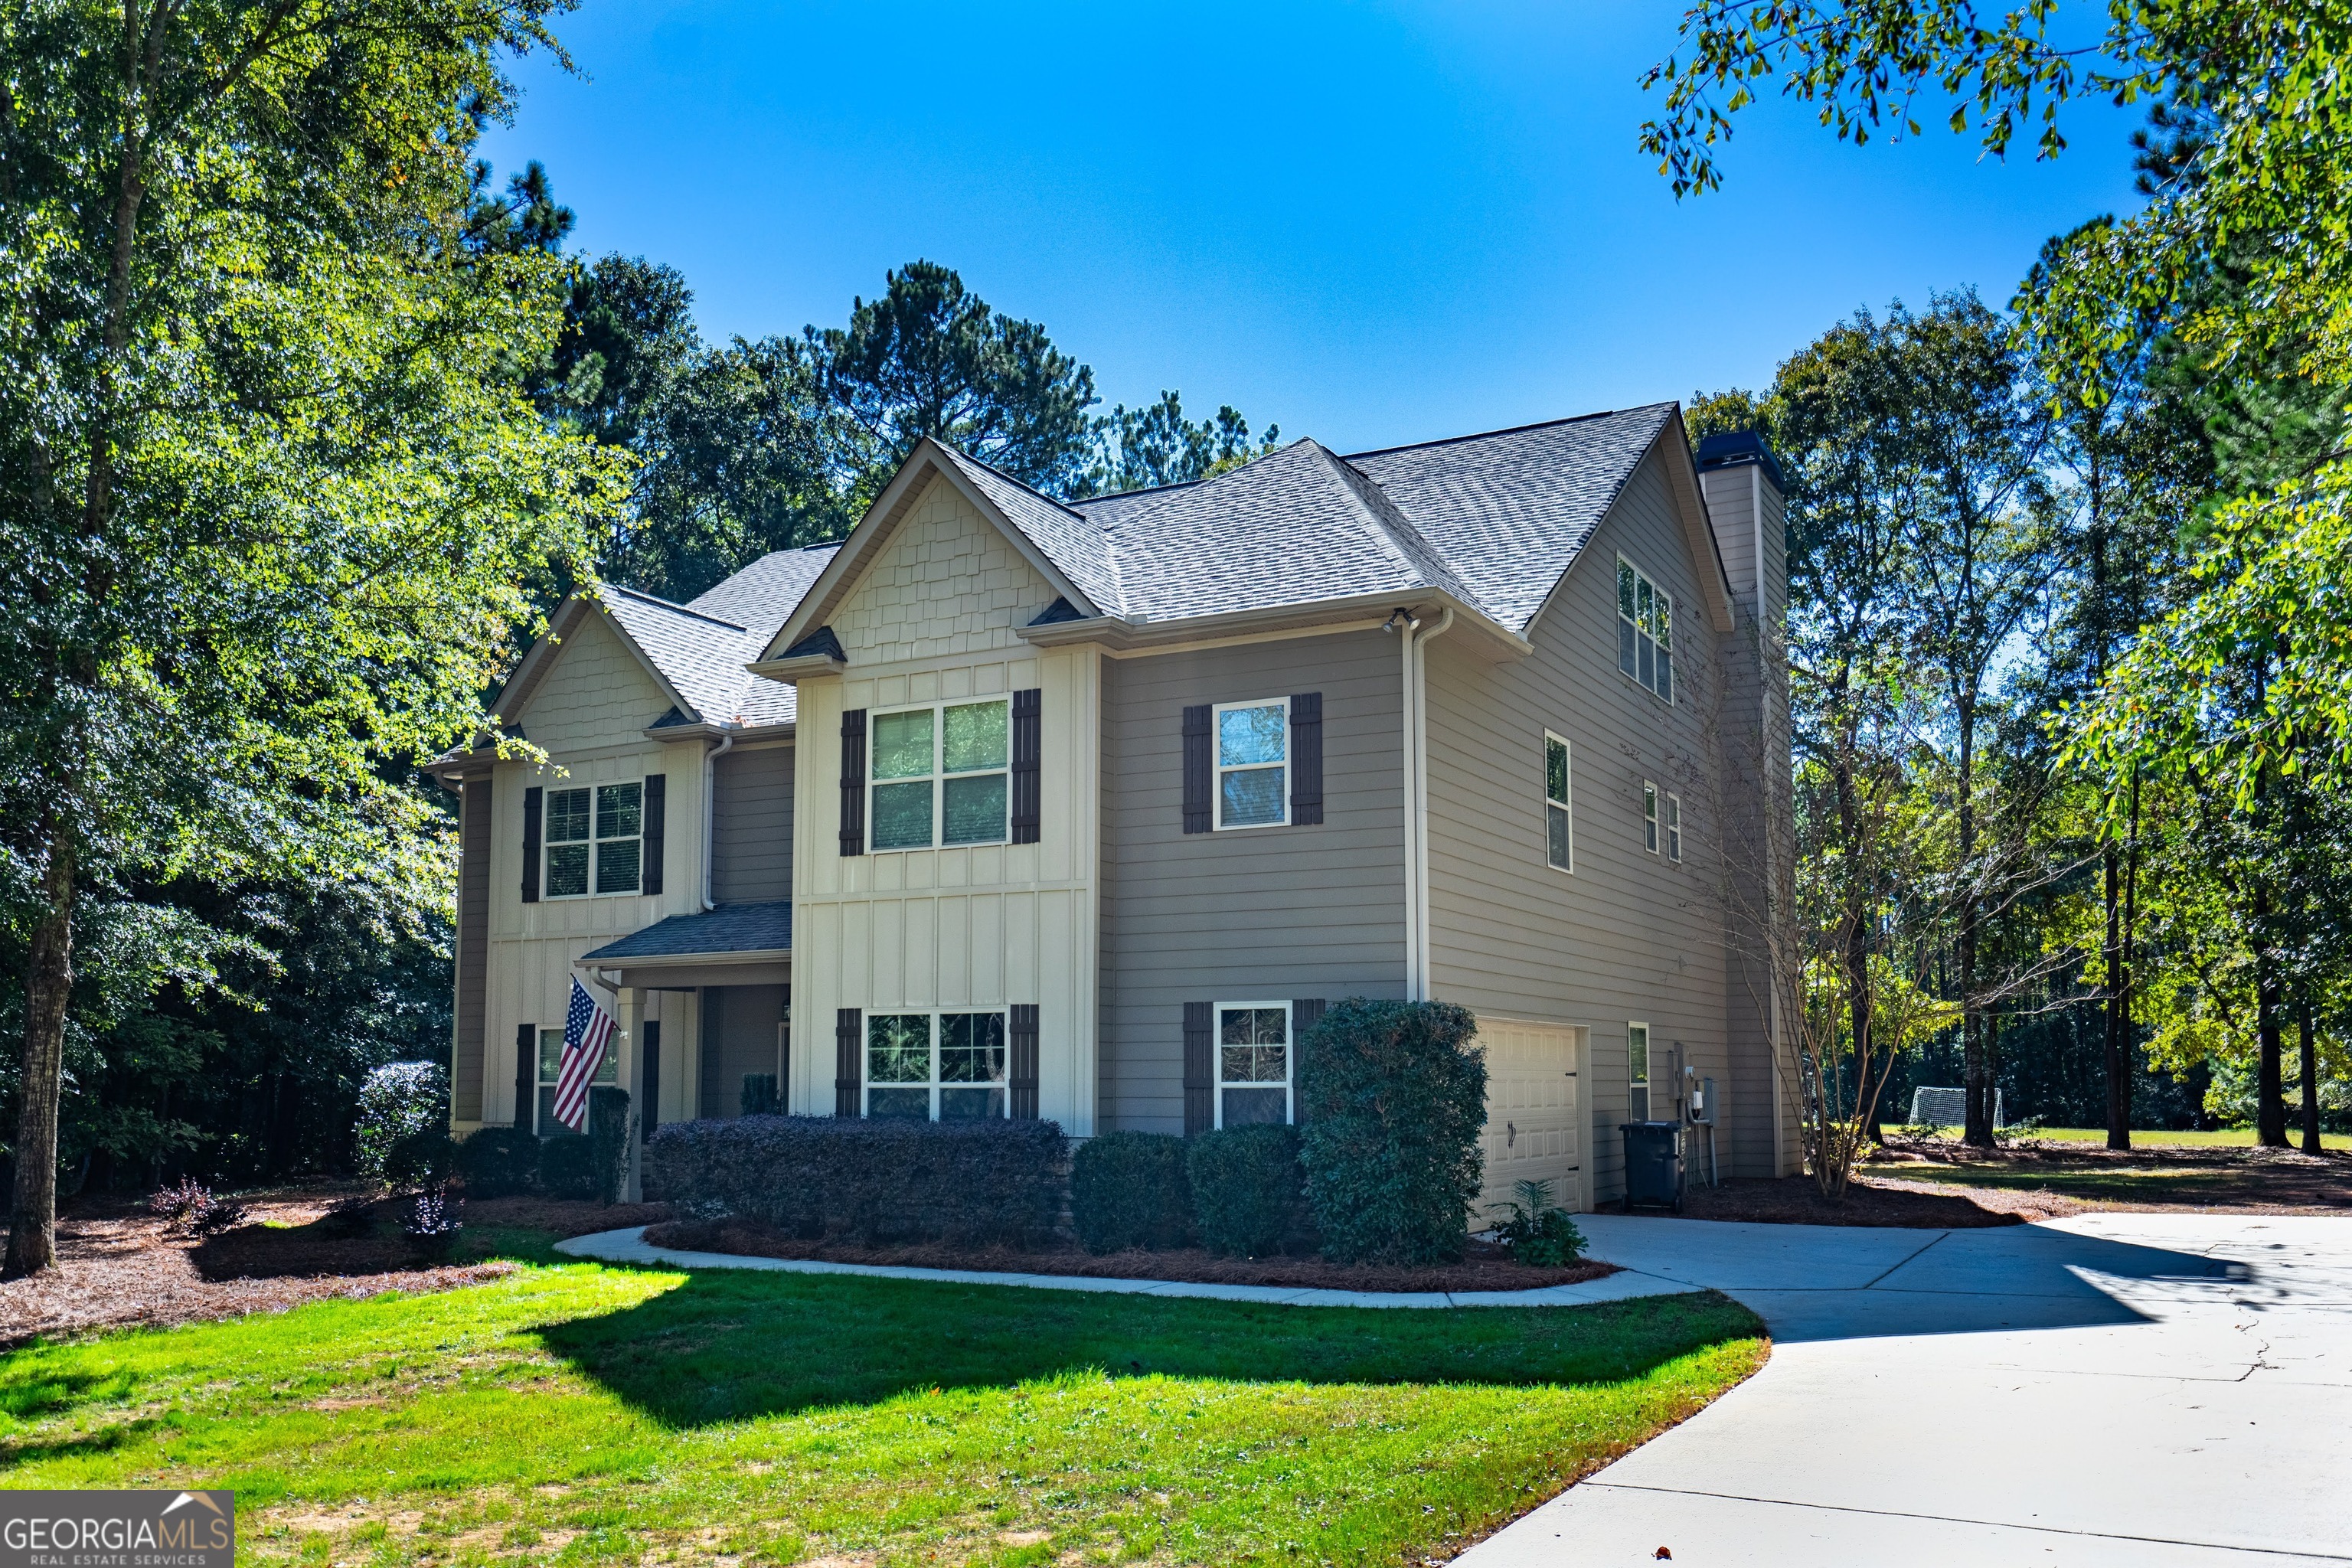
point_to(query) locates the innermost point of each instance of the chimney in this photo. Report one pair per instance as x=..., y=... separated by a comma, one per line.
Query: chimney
x=1741, y=481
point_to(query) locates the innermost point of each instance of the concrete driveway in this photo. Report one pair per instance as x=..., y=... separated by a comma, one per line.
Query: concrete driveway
x=2152, y=1390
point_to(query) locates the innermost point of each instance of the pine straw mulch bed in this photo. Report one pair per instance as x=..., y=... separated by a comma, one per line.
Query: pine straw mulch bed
x=1942, y=1185
x=1483, y=1267
x=119, y=1267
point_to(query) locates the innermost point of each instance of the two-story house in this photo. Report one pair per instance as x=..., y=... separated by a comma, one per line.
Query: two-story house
x=1012, y=806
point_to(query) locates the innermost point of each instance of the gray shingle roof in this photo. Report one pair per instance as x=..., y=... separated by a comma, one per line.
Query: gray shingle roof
x=1074, y=542
x=701, y=647
x=729, y=928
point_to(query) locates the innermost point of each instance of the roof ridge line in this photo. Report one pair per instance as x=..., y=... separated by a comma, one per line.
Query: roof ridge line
x=1508, y=430
x=1399, y=532
x=674, y=605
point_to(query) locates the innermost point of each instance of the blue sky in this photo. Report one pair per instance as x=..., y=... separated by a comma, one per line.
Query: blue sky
x=1373, y=223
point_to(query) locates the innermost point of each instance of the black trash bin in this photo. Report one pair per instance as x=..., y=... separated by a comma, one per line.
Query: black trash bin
x=1653, y=1163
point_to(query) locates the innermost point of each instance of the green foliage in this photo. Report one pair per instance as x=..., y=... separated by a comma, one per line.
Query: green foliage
x=499, y=1161
x=1395, y=1098
x=1249, y=1191
x=567, y=1166
x=760, y=1096
x=1536, y=1231
x=1138, y=448
x=402, y=1106
x=1130, y=1189
x=610, y=1128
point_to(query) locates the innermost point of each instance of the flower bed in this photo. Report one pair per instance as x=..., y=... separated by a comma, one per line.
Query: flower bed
x=1481, y=1267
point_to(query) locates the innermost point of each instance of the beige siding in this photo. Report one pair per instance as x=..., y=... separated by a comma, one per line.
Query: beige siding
x=1628, y=936
x=752, y=825
x=473, y=951
x=933, y=618
x=1252, y=914
x=597, y=693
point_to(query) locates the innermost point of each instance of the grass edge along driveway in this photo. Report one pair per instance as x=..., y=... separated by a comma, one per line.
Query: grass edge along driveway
x=582, y=1414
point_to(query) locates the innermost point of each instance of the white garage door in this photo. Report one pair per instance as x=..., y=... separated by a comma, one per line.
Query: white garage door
x=1534, y=1111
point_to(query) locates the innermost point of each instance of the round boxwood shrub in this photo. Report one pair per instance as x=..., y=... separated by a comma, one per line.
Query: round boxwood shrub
x=1395, y=1097
x=1128, y=1189
x=1247, y=1198
x=398, y=1101
x=499, y=1161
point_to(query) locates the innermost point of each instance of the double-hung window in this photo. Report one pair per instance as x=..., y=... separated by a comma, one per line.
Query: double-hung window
x=595, y=840
x=1649, y=816
x=1559, y=846
x=941, y=775
x=1645, y=630
x=937, y=1067
x=551, y=1064
x=1253, y=764
x=1253, y=1063
x=1637, y=1070
x=1673, y=827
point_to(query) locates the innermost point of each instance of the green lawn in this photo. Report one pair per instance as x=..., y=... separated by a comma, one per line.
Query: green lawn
x=578, y=1414
x=2143, y=1138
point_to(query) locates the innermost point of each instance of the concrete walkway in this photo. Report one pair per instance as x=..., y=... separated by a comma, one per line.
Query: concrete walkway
x=2164, y=1391
x=630, y=1246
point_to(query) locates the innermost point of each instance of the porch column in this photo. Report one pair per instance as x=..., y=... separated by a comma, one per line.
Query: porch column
x=630, y=1019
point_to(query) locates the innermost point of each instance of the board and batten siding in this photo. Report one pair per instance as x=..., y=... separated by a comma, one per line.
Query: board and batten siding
x=1249, y=914
x=473, y=954
x=752, y=825
x=1628, y=935
x=932, y=617
x=589, y=712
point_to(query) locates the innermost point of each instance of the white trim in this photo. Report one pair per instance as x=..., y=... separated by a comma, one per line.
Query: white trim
x=1664, y=650
x=938, y=776
x=1645, y=1080
x=1567, y=805
x=866, y=1083
x=1219, y=767
x=548, y=843
x=1649, y=817
x=1672, y=829
x=1218, y=1083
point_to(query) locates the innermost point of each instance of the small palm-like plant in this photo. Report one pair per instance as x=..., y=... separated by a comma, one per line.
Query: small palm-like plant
x=1536, y=1231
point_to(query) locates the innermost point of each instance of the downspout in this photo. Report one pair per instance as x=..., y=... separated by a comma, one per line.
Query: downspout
x=1418, y=645
x=1402, y=622
x=710, y=793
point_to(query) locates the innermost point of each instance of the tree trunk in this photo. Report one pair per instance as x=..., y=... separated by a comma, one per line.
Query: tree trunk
x=2270, y=1089
x=2308, y=1049
x=1977, y=1065
x=2119, y=1066
x=48, y=983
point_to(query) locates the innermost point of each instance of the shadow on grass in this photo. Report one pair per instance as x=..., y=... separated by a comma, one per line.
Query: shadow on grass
x=728, y=1346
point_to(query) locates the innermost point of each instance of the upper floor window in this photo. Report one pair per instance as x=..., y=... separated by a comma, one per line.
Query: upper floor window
x=936, y=1067
x=1673, y=827
x=1253, y=763
x=941, y=775
x=1645, y=630
x=1253, y=1063
x=595, y=839
x=1559, y=845
x=1649, y=816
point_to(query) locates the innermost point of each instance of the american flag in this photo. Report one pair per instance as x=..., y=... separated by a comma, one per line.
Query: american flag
x=587, y=1030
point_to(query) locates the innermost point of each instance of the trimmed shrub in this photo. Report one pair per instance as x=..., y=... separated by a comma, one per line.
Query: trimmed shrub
x=425, y=1158
x=1248, y=1198
x=567, y=1166
x=609, y=1128
x=1130, y=1189
x=1395, y=1097
x=499, y=1161
x=396, y=1102
x=871, y=1181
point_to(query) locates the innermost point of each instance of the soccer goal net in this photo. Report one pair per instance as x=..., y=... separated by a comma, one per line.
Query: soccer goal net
x=1947, y=1107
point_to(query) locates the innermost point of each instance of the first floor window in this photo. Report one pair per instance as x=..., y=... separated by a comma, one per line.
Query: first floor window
x=1637, y=1070
x=1559, y=849
x=550, y=1066
x=595, y=839
x=1673, y=827
x=1253, y=764
x=1254, y=1077
x=936, y=1067
x=1649, y=816
x=941, y=775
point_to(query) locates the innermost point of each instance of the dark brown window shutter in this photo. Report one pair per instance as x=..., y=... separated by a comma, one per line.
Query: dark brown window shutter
x=847, y=1078
x=656, y=804
x=1306, y=757
x=649, y=1081
x=1198, y=773
x=1025, y=1060
x=1028, y=753
x=1200, y=1081
x=853, y=782
x=532, y=799
x=1305, y=1012
x=527, y=1077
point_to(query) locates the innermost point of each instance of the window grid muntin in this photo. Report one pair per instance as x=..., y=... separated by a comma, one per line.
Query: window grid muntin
x=1253, y=1053
x=551, y=1065
x=940, y=1044
x=1646, y=633
x=984, y=786
x=1675, y=828
x=1560, y=824
x=593, y=840
x=1649, y=816
x=1278, y=768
